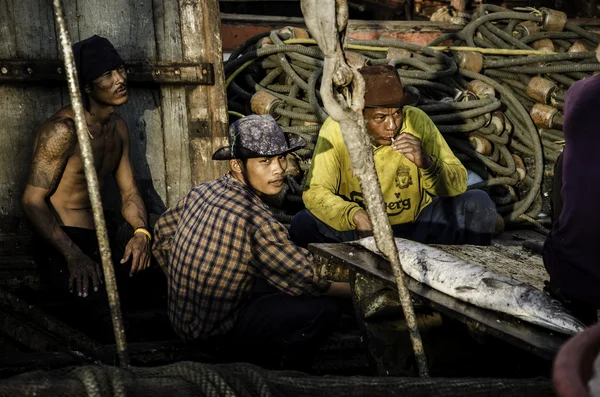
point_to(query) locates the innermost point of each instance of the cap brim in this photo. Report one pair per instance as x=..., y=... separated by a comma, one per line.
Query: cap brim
x=407, y=99
x=223, y=153
x=295, y=142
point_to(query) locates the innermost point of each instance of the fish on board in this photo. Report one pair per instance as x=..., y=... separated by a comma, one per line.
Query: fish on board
x=479, y=286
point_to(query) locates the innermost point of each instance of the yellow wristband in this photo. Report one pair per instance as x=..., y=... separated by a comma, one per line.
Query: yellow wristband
x=143, y=230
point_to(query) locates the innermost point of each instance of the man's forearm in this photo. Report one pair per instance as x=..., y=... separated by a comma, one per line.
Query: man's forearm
x=330, y=208
x=46, y=225
x=339, y=289
x=134, y=210
x=445, y=180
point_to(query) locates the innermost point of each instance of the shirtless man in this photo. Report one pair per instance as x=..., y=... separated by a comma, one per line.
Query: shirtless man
x=56, y=199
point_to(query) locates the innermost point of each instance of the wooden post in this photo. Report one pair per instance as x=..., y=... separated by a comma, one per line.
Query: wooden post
x=207, y=105
x=24, y=108
x=194, y=117
x=174, y=111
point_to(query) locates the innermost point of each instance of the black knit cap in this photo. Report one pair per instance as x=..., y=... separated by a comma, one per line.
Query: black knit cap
x=93, y=57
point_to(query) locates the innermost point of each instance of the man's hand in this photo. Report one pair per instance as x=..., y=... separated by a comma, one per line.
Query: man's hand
x=138, y=247
x=363, y=224
x=81, y=269
x=411, y=147
x=339, y=289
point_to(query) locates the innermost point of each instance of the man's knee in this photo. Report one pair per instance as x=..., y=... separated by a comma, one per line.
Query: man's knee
x=330, y=309
x=477, y=199
x=317, y=317
x=478, y=205
x=303, y=219
x=313, y=307
x=302, y=226
x=480, y=217
x=306, y=228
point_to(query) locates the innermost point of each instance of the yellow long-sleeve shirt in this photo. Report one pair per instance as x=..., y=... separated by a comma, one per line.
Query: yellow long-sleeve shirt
x=332, y=191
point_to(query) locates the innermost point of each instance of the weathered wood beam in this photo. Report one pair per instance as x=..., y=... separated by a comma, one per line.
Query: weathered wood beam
x=207, y=105
x=236, y=28
x=168, y=73
x=40, y=332
x=276, y=21
x=167, y=27
x=528, y=337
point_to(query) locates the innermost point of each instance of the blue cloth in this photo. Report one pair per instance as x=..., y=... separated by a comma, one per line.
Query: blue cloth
x=468, y=218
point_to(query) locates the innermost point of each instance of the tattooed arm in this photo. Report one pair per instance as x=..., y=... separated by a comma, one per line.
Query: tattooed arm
x=56, y=143
x=133, y=208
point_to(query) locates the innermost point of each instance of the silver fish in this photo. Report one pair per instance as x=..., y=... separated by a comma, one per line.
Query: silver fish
x=481, y=287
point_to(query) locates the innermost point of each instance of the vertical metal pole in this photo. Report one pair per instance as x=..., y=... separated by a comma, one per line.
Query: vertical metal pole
x=92, y=182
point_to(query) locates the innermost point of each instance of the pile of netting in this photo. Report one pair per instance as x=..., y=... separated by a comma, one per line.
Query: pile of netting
x=195, y=379
x=497, y=100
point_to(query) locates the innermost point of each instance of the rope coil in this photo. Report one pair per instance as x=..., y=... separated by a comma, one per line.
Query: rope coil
x=509, y=63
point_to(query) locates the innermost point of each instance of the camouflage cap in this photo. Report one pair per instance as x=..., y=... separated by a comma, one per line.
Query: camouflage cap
x=257, y=136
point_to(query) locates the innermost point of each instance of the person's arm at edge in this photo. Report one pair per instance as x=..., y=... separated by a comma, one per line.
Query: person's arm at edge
x=320, y=196
x=164, y=232
x=446, y=177
x=132, y=207
x=288, y=267
x=56, y=143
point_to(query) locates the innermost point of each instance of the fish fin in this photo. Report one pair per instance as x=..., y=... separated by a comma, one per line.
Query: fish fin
x=496, y=283
x=464, y=289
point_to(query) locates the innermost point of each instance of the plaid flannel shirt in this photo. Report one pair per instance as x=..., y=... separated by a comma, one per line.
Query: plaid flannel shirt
x=213, y=244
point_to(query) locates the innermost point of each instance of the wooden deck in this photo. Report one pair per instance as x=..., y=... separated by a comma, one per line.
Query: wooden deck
x=507, y=257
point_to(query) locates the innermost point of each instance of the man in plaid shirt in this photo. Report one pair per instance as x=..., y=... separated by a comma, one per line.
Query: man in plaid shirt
x=221, y=239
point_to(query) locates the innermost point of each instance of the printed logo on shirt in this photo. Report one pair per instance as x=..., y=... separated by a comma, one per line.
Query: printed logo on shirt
x=403, y=177
x=393, y=208
x=397, y=207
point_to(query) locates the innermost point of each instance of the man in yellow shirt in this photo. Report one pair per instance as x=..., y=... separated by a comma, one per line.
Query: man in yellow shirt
x=424, y=185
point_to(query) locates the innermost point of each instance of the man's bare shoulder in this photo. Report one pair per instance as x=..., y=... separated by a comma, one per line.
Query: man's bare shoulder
x=64, y=113
x=120, y=126
x=59, y=128
x=54, y=145
x=60, y=123
x=57, y=136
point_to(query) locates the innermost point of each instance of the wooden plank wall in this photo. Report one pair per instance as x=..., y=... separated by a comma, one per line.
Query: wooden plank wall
x=23, y=108
x=208, y=120
x=172, y=132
